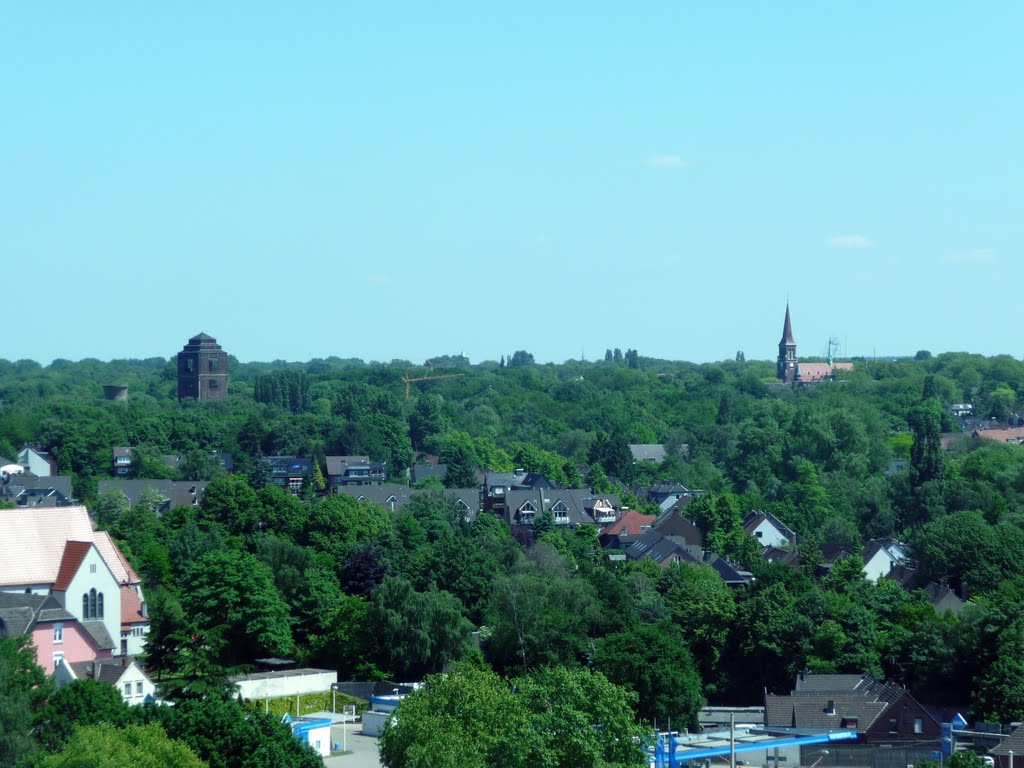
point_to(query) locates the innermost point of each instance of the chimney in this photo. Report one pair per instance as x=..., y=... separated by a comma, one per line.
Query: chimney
x=95, y=669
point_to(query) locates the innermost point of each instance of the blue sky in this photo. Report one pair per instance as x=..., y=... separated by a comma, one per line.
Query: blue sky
x=385, y=180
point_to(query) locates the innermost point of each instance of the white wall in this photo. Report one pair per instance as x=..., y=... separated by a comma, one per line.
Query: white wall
x=302, y=681
x=103, y=581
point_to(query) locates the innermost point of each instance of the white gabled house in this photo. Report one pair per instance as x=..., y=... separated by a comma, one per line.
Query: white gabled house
x=124, y=674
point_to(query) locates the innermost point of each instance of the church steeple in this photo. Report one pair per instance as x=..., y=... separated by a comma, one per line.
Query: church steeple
x=787, y=362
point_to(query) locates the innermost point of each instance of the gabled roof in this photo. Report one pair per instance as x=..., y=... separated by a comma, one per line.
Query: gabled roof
x=74, y=554
x=386, y=495
x=108, y=671
x=131, y=607
x=672, y=523
x=647, y=452
x=115, y=559
x=18, y=612
x=176, y=493
x=33, y=541
x=662, y=549
x=754, y=519
x=632, y=523
x=858, y=697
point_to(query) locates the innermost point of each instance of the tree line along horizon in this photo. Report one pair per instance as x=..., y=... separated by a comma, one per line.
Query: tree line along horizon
x=375, y=594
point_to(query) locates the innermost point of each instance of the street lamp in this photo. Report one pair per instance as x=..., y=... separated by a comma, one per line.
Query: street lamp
x=821, y=756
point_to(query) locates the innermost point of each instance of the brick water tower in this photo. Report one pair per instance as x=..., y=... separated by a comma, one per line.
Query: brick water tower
x=202, y=369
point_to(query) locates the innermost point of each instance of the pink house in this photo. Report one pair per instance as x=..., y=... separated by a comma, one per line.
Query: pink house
x=56, y=634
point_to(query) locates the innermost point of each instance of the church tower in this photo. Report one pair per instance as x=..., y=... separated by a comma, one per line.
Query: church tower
x=787, y=363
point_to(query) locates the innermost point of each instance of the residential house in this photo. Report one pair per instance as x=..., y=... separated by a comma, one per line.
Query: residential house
x=27, y=490
x=125, y=674
x=880, y=556
x=942, y=598
x=420, y=472
x=390, y=496
x=662, y=549
x=615, y=537
x=468, y=500
x=567, y=506
x=652, y=452
x=290, y=472
x=881, y=713
x=1012, y=435
x=354, y=470
x=39, y=463
x=172, y=493
x=54, y=553
x=672, y=523
x=122, y=461
x=56, y=633
x=768, y=530
x=1007, y=753
x=668, y=494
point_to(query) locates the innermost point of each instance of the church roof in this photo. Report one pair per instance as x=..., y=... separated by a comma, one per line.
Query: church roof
x=787, y=329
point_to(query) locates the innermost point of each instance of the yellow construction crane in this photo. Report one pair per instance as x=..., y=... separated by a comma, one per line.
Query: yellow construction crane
x=409, y=381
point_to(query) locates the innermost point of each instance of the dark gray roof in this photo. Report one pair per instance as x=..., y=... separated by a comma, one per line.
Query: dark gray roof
x=573, y=505
x=662, y=549
x=107, y=671
x=859, y=697
x=177, y=493
x=672, y=523
x=97, y=630
x=391, y=496
x=1013, y=743
x=30, y=487
x=290, y=465
x=468, y=497
x=18, y=611
x=420, y=472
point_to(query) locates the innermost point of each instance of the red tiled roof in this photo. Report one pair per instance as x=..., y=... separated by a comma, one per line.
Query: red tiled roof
x=74, y=554
x=1012, y=435
x=131, y=607
x=632, y=521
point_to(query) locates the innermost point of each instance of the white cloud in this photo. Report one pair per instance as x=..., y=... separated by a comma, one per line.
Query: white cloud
x=977, y=256
x=666, y=161
x=849, y=241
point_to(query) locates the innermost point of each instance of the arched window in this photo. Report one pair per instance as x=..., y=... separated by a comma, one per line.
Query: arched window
x=85, y=606
x=99, y=613
x=92, y=605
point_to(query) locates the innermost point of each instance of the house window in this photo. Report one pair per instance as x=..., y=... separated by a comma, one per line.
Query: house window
x=850, y=722
x=138, y=631
x=759, y=534
x=831, y=708
x=893, y=725
x=214, y=384
x=213, y=365
x=190, y=364
x=58, y=657
x=127, y=690
x=58, y=633
x=918, y=725
x=99, y=604
x=92, y=567
x=138, y=687
x=85, y=606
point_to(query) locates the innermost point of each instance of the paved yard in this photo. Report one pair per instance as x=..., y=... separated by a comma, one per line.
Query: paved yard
x=363, y=749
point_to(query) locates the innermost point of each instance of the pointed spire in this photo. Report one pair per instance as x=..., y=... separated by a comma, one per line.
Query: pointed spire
x=787, y=329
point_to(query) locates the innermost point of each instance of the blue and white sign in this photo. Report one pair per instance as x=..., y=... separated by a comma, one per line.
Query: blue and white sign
x=958, y=722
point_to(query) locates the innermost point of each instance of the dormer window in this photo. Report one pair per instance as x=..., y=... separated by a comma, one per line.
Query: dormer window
x=830, y=709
